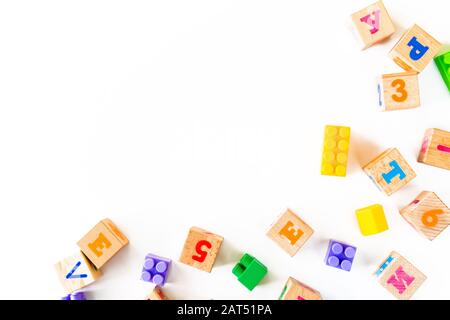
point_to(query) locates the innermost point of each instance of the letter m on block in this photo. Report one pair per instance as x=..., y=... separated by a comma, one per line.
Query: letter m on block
x=400, y=280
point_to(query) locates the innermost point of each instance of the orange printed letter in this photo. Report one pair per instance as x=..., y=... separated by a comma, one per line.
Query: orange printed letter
x=292, y=234
x=98, y=244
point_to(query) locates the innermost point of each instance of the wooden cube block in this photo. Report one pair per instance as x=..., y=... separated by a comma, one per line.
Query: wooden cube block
x=398, y=91
x=415, y=49
x=427, y=214
x=76, y=272
x=335, y=151
x=290, y=232
x=295, y=290
x=435, y=149
x=389, y=171
x=201, y=249
x=102, y=242
x=399, y=276
x=373, y=24
x=156, y=294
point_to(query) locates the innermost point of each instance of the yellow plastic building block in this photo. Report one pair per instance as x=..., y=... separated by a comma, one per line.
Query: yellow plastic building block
x=335, y=151
x=371, y=220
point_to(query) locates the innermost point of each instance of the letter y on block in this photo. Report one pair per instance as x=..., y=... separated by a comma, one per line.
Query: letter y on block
x=372, y=22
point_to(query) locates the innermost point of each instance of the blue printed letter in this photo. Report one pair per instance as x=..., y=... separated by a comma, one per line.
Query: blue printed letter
x=417, y=50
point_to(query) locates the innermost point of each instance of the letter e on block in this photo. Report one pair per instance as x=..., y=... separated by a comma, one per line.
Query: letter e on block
x=290, y=232
x=201, y=249
x=102, y=242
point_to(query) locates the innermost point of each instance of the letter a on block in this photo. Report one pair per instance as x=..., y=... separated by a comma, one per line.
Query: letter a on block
x=373, y=22
x=199, y=249
x=417, y=50
x=400, y=280
x=292, y=234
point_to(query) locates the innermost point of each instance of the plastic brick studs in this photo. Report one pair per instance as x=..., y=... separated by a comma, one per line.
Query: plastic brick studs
x=335, y=151
x=155, y=269
x=249, y=271
x=340, y=255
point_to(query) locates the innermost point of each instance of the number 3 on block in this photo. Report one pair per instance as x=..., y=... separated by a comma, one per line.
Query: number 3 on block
x=399, y=91
x=401, y=94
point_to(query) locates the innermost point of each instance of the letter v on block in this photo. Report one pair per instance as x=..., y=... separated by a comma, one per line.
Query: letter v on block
x=373, y=22
x=71, y=274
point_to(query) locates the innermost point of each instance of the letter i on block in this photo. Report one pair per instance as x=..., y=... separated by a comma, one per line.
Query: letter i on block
x=290, y=232
x=201, y=249
x=102, y=242
x=435, y=149
x=335, y=151
x=398, y=91
x=389, y=171
x=295, y=290
x=373, y=24
x=76, y=272
x=427, y=214
x=399, y=276
x=415, y=49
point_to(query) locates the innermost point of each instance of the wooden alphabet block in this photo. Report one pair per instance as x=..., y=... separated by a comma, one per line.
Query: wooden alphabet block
x=427, y=214
x=157, y=294
x=398, y=91
x=399, y=276
x=435, y=149
x=290, y=232
x=442, y=62
x=389, y=171
x=373, y=24
x=76, y=272
x=415, y=49
x=102, y=242
x=295, y=290
x=201, y=249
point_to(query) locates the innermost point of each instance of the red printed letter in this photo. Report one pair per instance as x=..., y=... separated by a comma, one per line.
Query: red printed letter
x=201, y=253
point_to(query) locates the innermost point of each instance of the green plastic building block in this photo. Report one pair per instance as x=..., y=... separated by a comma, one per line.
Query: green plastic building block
x=443, y=64
x=249, y=271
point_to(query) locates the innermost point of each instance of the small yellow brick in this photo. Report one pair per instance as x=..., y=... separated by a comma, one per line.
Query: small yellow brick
x=371, y=220
x=335, y=151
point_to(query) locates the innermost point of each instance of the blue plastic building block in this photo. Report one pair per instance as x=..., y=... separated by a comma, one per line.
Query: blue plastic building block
x=340, y=255
x=80, y=295
x=155, y=269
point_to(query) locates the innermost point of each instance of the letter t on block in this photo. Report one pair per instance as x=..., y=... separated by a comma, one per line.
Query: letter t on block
x=102, y=242
x=290, y=232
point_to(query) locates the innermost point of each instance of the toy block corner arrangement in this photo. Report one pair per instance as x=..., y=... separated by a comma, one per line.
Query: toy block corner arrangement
x=389, y=171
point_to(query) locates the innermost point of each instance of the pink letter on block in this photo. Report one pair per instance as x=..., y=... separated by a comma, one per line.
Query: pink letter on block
x=403, y=278
x=374, y=23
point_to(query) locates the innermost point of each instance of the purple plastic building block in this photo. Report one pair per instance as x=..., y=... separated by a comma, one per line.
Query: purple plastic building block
x=155, y=269
x=340, y=255
x=78, y=296
x=75, y=296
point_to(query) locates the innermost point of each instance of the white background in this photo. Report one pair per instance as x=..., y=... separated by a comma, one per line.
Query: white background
x=162, y=115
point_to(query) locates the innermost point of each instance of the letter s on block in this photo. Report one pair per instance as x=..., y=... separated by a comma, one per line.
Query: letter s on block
x=292, y=234
x=98, y=244
x=199, y=249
